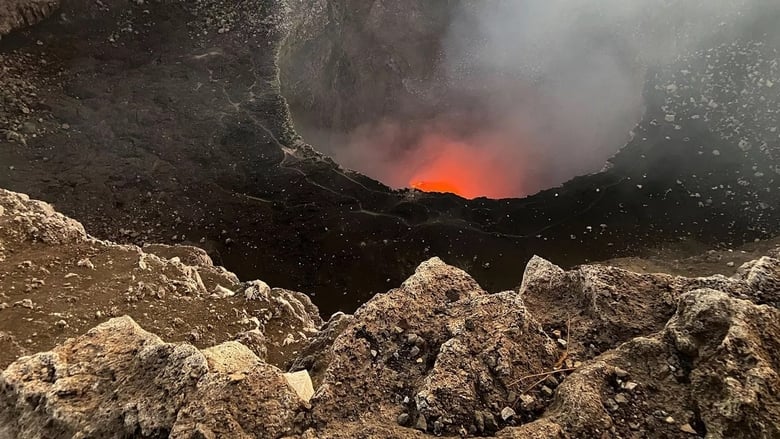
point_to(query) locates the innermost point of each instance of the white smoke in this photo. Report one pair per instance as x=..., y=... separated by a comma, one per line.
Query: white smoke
x=552, y=87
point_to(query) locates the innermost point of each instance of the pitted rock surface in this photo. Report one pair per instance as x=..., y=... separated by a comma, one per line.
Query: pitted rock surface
x=142, y=387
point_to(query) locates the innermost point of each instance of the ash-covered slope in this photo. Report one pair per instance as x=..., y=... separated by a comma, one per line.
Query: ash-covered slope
x=593, y=352
x=164, y=122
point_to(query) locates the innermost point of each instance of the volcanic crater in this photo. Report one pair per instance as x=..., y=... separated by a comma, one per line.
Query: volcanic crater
x=168, y=122
x=446, y=285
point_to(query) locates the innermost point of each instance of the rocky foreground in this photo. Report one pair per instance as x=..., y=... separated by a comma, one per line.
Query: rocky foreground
x=592, y=352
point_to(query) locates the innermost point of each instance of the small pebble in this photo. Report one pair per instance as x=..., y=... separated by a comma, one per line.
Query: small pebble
x=630, y=386
x=507, y=413
x=527, y=402
x=620, y=373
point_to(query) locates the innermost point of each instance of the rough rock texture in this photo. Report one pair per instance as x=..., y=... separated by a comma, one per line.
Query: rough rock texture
x=438, y=348
x=606, y=305
x=317, y=355
x=596, y=351
x=121, y=381
x=16, y=14
x=56, y=282
x=712, y=370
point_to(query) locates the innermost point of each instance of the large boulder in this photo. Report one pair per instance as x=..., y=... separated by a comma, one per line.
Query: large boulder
x=712, y=370
x=438, y=353
x=604, y=306
x=118, y=380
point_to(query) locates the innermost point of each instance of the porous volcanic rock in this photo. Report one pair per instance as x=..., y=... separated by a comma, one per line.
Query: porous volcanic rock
x=118, y=380
x=605, y=305
x=438, y=348
x=712, y=370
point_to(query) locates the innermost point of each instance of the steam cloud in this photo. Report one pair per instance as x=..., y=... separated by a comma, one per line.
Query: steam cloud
x=533, y=92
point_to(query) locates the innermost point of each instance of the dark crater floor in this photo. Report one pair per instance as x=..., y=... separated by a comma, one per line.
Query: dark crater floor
x=147, y=124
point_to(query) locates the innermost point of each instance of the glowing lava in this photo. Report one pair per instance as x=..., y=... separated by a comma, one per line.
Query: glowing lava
x=436, y=186
x=462, y=169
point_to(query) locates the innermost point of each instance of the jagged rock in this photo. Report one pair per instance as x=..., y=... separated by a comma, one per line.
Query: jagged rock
x=24, y=219
x=16, y=14
x=316, y=355
x=474, y=348
x=723, y=347
x=301, y=383
x=255, y=341
x=762, y=277
x=256, y=290
x=167, y=289
x=66, y=392
x=119, y=380
x=188, y=255
x=290, y=305
x=607, y=306
x=230, y=357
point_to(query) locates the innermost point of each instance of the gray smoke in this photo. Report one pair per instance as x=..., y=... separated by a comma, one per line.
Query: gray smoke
x=542, y=90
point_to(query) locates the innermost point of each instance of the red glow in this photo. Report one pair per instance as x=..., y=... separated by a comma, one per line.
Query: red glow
x=462, y=169
x=436, y=186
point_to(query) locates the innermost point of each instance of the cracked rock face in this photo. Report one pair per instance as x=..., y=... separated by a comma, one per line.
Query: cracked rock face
x=16, y=14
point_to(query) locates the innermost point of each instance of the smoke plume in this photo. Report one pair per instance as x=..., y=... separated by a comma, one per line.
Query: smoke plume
x=530, y=93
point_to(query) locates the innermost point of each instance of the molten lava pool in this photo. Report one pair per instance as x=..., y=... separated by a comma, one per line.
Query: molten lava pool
x=462, y=169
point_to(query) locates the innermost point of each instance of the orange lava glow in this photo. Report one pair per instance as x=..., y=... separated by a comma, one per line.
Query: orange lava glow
x=463, y=169
x=436, y=186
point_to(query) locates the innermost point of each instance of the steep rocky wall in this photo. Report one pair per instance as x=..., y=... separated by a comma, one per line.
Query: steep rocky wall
x=16, y=14
x=351, y=62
